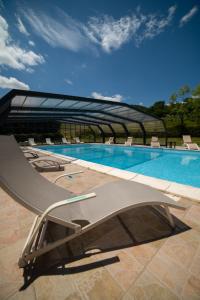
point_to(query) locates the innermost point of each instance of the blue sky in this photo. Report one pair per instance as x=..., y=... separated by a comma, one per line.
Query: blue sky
x=132, y=51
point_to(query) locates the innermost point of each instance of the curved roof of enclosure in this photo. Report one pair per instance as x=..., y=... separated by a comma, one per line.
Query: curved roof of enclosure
x=38, y=106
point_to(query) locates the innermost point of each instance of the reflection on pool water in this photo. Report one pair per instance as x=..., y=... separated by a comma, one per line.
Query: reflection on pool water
x=178, y=166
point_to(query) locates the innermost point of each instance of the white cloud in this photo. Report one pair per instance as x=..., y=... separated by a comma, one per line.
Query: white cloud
x=67, y=33
x=21, y=27
x=104, y=31
x=12, y=83
x=31, y=43
x=12, y=55
x=117, y=97
x=68, y=81
x=154, y=25
x=186, y=18
x=110, y=33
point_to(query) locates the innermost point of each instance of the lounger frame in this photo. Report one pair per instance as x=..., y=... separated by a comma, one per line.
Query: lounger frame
x=35, y=246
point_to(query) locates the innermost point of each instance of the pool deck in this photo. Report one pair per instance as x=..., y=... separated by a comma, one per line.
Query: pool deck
x=140, y=257
x=174, y=188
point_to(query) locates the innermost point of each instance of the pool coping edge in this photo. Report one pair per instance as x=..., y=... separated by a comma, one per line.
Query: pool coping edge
x=170, y=187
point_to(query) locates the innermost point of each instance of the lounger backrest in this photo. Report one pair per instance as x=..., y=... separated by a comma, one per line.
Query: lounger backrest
x=154, y=139
x=48, y=141
x=23, y=182
x=64, y=140
x=187, y=139
x=31, y=141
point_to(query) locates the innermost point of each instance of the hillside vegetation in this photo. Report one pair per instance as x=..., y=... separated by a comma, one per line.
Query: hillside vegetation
x=181, y=112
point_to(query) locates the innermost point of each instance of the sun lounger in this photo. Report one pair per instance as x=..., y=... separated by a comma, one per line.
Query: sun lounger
x=49, y=142
x=77, y=140
x=31, y=142
x=78, y=213
x=187, y=142
x=47, y=165
x=129, y=141
x=65, y=141
x=110, y=141
x=30, y=154
x=155, y=142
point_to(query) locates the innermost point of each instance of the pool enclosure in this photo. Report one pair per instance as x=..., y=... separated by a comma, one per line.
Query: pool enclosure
x=32, y=112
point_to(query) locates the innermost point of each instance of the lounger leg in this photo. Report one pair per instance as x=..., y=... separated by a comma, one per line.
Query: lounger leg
x=168, y=216
x=33, y=240
x=42, y=235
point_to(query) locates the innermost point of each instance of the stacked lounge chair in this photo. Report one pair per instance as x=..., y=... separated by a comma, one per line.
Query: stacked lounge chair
x=187, y=142
x=155, y=142
x=129, y=141
x=110, y=140
x=78, y=213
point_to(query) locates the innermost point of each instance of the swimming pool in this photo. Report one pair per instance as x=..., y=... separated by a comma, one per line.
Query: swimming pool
x=173, y=165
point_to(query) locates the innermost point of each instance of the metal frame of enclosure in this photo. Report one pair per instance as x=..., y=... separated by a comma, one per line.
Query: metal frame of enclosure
x=30, y=106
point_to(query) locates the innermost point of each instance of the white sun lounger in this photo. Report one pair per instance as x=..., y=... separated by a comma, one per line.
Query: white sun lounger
x=110, y=141
x=155, y=142
x=77, y=140
x=65, y=141
x=187, y=142
x=31, y=142
x=129, y=141
x=49, y=142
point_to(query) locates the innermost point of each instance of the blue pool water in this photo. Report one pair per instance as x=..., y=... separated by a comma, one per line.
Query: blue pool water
x=178, y=166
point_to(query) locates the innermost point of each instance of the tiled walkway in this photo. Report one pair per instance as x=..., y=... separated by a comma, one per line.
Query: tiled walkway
x=140, y=257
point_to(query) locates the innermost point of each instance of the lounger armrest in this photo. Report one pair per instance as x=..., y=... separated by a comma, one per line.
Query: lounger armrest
x=76, y=227
x=67, y=175
x=43, y=216
x=66, y=202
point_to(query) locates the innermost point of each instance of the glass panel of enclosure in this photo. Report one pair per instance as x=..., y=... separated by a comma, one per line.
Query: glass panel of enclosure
x=120, y=133
x=98, y=134
x=107, y=130
x=135, y=131
x=155, y=128
x=33, y=102
x=18, y=101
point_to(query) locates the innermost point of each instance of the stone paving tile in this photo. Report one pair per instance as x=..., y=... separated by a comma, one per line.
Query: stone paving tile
x=149, y=287
x=28, y=294
x=195, y=265
x=11, y=276
x=126, y=271
x=168, y=272
x=191, y=289
x=182, y=248
x=193, y=214
x=144, y=252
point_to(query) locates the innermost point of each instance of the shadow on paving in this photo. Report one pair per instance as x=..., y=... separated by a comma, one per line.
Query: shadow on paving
x=135, y=227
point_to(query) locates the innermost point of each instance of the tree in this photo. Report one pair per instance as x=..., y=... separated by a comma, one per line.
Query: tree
x=196, y=91
x=159, y=109
x=173, y=98
x=184, y=90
